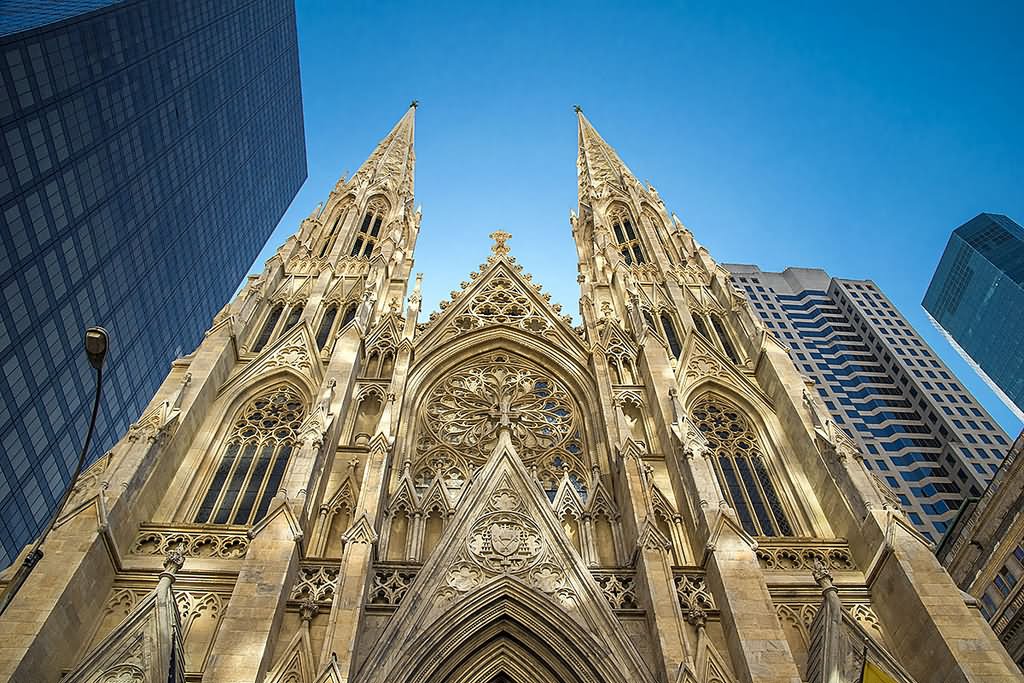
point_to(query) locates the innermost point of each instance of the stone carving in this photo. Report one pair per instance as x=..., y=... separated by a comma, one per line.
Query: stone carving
x=315, y=582
x=391, y=583
x=463, y=412
x=703, y=364
x=505, y=542
x=692, y=592
x=805, y=556
x=127, y=673
x=152, y=540
x=619, y=587
x=293, y=355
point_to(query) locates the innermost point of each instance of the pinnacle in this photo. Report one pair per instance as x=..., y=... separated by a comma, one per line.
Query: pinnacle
x=598, y=164
x=395, y=157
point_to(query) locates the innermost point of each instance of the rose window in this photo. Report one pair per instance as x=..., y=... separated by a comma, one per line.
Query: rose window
x=462, y=415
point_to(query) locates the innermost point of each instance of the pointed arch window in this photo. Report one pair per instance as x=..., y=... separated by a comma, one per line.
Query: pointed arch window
x=350, y=314
x=648, y=318
x=723, y=338
x=740, y=464
x=670, y=335
x=323, y=333
x=328, y=242
x=268, y=328
x=294, y=314
x=700, y=325
x=254, y=458
x=369, y=229
x=627, y=238
x=332, y=234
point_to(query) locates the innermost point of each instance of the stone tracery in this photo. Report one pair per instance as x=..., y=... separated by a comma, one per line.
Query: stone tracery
x=460, y=418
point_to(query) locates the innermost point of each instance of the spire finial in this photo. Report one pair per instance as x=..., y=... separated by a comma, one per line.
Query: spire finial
x=577, y=108
x=414, y=104
x=500, y=237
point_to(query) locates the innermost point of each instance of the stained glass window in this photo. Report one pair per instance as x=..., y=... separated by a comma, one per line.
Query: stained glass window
x=268, y=328
x=254, y=459
x=741, y=468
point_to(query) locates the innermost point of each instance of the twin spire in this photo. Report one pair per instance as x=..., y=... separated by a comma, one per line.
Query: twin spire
x=597, y=165
x=393, y=162
x=394, y=159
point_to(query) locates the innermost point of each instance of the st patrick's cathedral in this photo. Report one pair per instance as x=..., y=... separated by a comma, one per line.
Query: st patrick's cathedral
x=337, y=487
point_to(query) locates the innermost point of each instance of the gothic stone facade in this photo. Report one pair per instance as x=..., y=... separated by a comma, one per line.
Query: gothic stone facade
x=327, y=489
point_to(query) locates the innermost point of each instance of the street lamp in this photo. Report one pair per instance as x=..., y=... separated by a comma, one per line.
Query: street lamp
x=96, y=343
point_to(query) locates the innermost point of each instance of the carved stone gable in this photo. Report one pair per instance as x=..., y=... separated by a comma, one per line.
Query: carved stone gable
x=505, y=537
x=500, y=294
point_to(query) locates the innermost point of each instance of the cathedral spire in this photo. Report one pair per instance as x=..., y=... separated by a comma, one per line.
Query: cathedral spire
x=393, y=163
x=598, y=165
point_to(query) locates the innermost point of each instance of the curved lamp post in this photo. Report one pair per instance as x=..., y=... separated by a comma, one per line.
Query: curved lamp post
x=96, y=343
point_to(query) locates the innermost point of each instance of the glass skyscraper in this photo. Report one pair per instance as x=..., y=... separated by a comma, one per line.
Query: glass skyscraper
x=976, y=298
x=922, y=433
x=149, y=149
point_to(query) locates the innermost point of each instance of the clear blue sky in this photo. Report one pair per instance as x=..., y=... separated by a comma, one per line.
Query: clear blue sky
x=786, y=134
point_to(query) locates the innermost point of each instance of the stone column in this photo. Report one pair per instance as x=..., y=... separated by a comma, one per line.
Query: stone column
x=245, y=639
x=360, y=539
x=757, y=643
x=654, y=573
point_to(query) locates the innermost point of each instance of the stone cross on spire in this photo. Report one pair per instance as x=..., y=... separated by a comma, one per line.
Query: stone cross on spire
x=500, y=237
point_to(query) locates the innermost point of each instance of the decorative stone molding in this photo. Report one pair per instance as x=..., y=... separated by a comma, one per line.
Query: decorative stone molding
x=391, y=582
x=692, y=592
x=800, y=616
x=804, y=555
x=618, y=586
x=315, y=581
x=199, y=542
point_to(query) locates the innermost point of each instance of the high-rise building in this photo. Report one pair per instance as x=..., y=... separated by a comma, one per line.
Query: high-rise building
x=149, y=149
x=976, y=298
x=923, y=433
x=23, y=15
x=337, y=491
x=984, y=551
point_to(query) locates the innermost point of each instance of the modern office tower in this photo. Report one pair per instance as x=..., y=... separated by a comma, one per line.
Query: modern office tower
x=976, y=299
x=922, y=432
x=149, y=149
x=328, y=489
x=984, y=551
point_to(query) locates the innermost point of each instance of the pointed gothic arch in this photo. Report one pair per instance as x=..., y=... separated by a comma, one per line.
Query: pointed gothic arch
x=507, y=628
x=369, y=232
x=253, y=457
x=741, y=459
x=627, y=234
x=332, y=227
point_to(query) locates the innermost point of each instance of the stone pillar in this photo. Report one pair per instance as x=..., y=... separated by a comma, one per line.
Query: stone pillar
x=757, y=643
x=654, y=573
x=356, y=561
x=245, y=640
x=917, y=602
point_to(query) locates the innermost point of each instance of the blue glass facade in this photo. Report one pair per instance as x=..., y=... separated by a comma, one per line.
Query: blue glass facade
x=149, y=149
x=976, y=297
